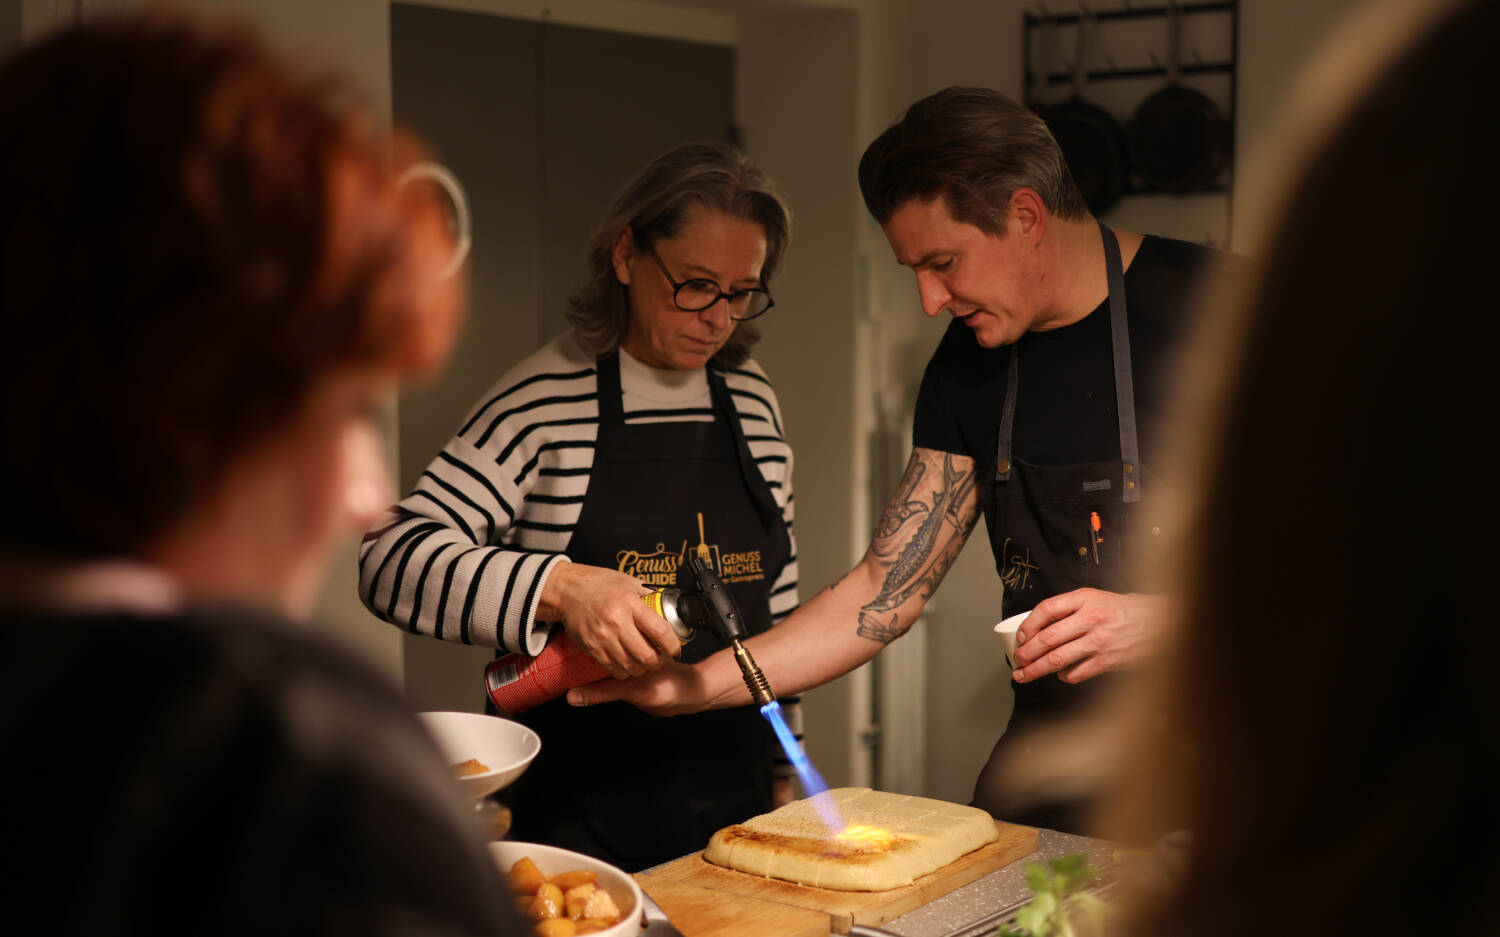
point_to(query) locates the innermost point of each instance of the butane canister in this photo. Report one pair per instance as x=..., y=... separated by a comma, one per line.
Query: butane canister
x=517, y=682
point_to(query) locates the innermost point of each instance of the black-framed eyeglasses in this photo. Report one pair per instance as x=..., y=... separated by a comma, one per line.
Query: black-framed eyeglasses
x=698, y=294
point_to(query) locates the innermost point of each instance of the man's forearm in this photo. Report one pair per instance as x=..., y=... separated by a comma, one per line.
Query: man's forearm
x=924, y=527
x=922, y=531
x=819, y=642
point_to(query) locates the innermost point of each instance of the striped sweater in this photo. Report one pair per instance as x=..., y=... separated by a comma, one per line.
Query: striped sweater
x=464, y=557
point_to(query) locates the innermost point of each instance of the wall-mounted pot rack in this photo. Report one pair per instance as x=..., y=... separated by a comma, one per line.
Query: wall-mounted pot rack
x=1226, y=12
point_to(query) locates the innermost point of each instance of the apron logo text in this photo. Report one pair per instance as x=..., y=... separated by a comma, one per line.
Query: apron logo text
x=1016, y=568
x=658, y=568
x=741, y=567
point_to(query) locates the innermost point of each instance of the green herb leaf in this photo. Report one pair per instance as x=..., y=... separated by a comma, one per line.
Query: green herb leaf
x=1073, y=873
x=1037, y=878
x=1056, y=891
x=1036, y=916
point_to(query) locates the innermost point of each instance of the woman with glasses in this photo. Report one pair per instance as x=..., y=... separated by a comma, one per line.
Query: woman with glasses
x=585, y=478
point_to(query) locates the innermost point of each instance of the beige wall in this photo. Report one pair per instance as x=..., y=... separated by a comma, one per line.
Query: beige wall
x=797, y=104
x=10, y=26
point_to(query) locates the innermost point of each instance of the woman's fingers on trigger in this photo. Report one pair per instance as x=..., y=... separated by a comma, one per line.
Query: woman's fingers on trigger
x=611, y=656
x=642, y=656
x=658, y=632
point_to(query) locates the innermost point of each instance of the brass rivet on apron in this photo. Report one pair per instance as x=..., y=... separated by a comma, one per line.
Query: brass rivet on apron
x=1083, y=551
x=1003, y=467
x=1156, y=531
x=1129, y=468
x=1129, y=484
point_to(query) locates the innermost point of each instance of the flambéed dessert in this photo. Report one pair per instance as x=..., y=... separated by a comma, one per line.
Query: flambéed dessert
x=889, y=840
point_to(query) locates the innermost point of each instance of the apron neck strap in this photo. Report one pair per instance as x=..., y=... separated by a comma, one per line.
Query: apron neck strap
x=611, y=406
x=612, y=421
x=755, y=483
x=1124, y=382
x=1130, y=450
x=1008, y=415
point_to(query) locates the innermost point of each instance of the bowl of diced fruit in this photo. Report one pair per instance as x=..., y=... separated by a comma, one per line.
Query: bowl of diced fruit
x=562, y=893
x=486, y=752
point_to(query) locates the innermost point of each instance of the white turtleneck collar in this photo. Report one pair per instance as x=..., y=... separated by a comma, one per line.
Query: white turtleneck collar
x=661, y=386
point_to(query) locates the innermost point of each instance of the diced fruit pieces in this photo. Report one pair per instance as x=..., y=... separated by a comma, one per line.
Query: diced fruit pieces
x=548, y=903
x=556, y=927
x=573, y=878
x=600, y=904
x=525, y=878
x=577, y=898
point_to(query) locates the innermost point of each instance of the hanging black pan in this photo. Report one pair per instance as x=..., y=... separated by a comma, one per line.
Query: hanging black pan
x=1179, y=142
x=1092, y=141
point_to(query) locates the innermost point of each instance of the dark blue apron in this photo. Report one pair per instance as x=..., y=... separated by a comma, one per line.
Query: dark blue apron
x=1039, y=519
x=611, y=781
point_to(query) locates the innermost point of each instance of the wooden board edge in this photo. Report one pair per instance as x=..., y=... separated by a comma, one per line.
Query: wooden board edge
x=835, y=904
x=689, y=868
x=791, y=920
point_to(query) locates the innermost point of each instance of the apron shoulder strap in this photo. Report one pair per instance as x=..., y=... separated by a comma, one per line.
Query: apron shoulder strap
x=1130, y=452
x=611, y=399
x=1008, y=416
x=755, y=482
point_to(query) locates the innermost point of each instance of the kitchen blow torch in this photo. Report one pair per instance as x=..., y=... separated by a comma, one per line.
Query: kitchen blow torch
x=723, y=616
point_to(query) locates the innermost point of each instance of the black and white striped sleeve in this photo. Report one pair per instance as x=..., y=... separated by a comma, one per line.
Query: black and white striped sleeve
x=433, y=564
x=465, y=555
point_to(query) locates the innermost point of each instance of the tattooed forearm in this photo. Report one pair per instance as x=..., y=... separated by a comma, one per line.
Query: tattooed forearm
x=882, y=627
x=837, y=582
x=902, y=508
x=920, y=558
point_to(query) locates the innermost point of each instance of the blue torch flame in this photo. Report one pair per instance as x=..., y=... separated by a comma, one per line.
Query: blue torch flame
x=812, y=782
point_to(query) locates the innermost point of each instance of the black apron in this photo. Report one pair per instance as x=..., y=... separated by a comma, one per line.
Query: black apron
x=612, y=781
x=1039, y=519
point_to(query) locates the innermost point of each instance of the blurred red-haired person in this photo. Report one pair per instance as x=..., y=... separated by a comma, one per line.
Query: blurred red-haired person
x=210, y=279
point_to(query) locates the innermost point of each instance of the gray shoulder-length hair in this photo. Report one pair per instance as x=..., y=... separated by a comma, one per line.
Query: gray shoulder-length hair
x=655, y=205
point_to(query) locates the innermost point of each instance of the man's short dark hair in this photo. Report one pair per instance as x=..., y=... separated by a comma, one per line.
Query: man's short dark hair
x=973, y=147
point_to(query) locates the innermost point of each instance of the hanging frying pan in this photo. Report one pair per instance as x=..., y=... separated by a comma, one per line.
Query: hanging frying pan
x=1092, y=141
x=1179, y=142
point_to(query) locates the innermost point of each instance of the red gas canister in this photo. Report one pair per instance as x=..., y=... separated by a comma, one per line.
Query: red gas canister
x=517, y=682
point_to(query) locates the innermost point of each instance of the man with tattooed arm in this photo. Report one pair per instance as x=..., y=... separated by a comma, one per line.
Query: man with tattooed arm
x=1037, y=409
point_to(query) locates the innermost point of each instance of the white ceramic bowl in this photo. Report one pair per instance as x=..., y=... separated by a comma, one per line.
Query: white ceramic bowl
x=503, y=746
x=554, y=861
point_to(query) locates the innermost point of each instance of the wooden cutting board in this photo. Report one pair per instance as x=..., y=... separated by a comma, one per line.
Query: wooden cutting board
x=700, y=912
x=743, y=914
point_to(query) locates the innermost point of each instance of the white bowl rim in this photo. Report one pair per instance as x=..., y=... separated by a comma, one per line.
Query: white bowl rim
x=530, y=741
x=544, y=853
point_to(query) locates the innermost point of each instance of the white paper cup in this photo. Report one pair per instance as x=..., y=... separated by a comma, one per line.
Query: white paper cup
x=1006, y=632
